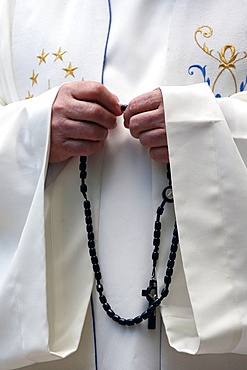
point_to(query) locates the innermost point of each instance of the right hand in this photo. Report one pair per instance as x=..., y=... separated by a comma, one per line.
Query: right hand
x=82, y=114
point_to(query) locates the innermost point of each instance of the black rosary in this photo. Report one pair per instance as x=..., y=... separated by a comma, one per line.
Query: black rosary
x=151, y=292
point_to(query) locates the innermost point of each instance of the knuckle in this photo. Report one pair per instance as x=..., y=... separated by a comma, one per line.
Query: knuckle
x=66, y=89
x=144, y=141
x=58, y=108
x=134, y=126
x=59, y=122
x=96, y=111
x=133, y=106
x=97, y=90
x=90, y=131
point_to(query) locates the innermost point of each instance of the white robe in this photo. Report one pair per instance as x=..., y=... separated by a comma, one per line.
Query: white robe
x=46, y=277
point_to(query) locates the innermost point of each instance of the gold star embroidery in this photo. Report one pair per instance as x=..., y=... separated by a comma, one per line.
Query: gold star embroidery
x=29, y=96
x=42, y=57
x=59, y=54
x=33, y=78
x=69, y=70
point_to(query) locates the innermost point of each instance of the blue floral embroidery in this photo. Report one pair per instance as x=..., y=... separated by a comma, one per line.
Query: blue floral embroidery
x=203, y=71
x=243, y=85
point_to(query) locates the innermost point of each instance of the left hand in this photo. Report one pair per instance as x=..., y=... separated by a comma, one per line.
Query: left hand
x=145, y=119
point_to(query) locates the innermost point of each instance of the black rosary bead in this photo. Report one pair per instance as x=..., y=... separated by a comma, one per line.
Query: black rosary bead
x=98, y=276
x=116, y=318
x=169, y=271
x=110, y=313
x=157, y=234
x=157, y=225
x=89, y=220
x=83, y=188
x=174, y=248
x=167, y=280
x=89, y=228
x=130, y=322
x=83, y=175
x=164, y=292
x=155, y=256
x=99, y=288
x=87, y=204
x=106, y=306
x=96, y=267
x=145, y=315
x=88, y=212
x=160, y=210
x=91, y=244
x=156, y=242
x=138, y=319
x=92, y=252
x=170, y=264
x=123, y=107
x=94, y=260
x=122, y=321
x=175, y=239
x=82, y=166
x=103, y=299
x=168, y=171
x=172, y=256
x=90, y=236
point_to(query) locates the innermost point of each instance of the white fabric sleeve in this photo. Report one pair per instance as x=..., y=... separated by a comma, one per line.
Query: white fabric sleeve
x=234, y=109
x=24, y=132
x=207, y=152
x=30, y=294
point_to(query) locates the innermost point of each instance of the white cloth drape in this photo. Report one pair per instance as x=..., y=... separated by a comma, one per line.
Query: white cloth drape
x=213, y=246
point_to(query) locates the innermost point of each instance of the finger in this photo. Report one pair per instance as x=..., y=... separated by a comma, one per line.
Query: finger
x=85, y=111
x=146, y=121
x=143, y=103
x=80, y=147
x=83, y=130
x=153, y=138
x=160, y=154
x=73, y=148
x=98, y=93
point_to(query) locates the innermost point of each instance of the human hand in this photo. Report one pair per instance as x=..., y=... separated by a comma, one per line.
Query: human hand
x=145, y=119
x=82, y=114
